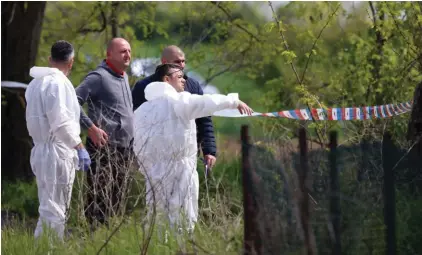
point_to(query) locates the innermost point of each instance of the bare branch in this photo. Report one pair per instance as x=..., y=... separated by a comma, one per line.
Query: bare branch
x=313, y=46
x=12, y=14
x=286, y=46
x=96, y=30
x=110, y=236
x=231, y=20
x=232, y=66
x=400, y=31
x=374, y=19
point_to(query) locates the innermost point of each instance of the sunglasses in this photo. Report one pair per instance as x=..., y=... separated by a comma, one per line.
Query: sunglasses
x=179, y=61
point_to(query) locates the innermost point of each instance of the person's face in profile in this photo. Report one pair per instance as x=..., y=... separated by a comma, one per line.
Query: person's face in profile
x=175, y=79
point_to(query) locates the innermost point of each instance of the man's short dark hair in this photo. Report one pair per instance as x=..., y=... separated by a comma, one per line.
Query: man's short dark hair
x=61, y=51
x=163, y=70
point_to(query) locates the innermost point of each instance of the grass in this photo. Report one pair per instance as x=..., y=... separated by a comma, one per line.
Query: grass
x=220, y=226
x=127, y=240
x=219, y=230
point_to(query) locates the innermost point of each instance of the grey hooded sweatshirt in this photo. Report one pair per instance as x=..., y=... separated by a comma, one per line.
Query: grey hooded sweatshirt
x=110, y=104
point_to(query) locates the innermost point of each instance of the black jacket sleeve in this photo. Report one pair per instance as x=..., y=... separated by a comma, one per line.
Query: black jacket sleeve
x=138, y=91
x=205, y=128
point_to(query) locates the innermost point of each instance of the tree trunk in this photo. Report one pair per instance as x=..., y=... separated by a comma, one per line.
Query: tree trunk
x=113, y=20
x=378, y=51
x=16, y=143
x=21, y=31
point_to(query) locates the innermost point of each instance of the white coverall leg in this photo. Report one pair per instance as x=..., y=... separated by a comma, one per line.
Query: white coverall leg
x=173, y=197
x=55, y=179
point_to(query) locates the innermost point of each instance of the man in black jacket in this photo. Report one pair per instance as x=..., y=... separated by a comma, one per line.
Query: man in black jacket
x=205, y=138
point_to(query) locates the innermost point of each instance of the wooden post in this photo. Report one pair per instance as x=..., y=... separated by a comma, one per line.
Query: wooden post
x=363, y=169
x=388, y=161
x=414, y=134
x=304, y=197
x=252, y=241
x=335, y=208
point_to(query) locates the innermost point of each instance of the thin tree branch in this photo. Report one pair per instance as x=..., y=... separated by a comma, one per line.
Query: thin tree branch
x=275, y=16
x=217, y=4
x=96, y=30
x=12, y=14
x=371, y=5
x=380, y=41
x=236, y=65
x=211, y=77
x=313, y=46
x=110, y=236
x=198, y=246
x=286, y=46
x=203, y=35
x=398, y=28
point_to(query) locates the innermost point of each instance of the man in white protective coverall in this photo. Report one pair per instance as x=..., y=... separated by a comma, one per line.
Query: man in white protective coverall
x=52, y=116
x=165, y=144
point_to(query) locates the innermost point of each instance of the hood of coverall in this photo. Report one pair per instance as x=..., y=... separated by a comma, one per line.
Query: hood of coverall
x=40, y=71
x=159, y=89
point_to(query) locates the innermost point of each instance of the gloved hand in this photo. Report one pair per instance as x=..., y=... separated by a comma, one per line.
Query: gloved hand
x=84, y=160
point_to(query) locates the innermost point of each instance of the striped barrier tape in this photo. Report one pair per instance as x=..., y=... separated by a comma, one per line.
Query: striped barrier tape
x=349, y=113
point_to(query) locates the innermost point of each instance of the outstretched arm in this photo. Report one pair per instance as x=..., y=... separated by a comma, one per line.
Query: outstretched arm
x=206, y=138
x=190, y=106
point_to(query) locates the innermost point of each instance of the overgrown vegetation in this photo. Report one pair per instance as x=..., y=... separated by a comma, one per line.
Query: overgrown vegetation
x=298, y=55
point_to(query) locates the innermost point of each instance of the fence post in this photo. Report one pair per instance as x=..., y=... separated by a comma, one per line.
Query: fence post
x=363, y=169
x=252, y=240
x=335, y=209
x=414, y=133
x=388, y=161
x=304, y=189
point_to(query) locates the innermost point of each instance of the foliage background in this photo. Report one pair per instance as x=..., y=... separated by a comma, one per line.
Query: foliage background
x=331, y=54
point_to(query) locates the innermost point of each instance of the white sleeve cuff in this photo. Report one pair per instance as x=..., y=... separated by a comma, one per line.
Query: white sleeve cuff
x=76, y=142
x=234, y=99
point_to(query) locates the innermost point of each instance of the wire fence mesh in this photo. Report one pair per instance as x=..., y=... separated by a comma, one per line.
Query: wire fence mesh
x=338, y=199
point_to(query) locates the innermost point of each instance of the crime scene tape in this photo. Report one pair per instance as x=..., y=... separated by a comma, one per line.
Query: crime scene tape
x=349, y=113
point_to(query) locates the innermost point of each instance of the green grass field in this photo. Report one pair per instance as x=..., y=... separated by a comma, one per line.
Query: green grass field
x=128, y=239
x=219, y=230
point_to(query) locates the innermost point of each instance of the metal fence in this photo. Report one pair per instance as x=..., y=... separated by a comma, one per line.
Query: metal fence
x=335, y=200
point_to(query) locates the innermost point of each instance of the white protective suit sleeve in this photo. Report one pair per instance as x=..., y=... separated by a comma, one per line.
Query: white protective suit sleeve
x=59, y=116
x=190, y=106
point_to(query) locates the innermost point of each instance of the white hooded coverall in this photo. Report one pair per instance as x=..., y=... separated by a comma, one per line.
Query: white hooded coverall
x=52, y=117
x=166, y=148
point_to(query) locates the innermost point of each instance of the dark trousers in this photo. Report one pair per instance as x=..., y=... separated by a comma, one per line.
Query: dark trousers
x=107, y=182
